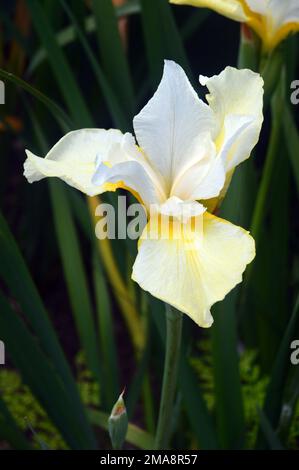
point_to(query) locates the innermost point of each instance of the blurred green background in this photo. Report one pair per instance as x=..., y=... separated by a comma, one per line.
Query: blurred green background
x=76, y=329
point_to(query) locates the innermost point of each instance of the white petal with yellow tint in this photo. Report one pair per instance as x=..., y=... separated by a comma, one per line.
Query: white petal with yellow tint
x=197, y=270
x=282, y=18
x=279, y=12
x=240, y=138
x=74, y=158
x=204, y=178
x=169, y=126
x=236, y=97
x=229, y=8
x=288, y=11
x=276, y=21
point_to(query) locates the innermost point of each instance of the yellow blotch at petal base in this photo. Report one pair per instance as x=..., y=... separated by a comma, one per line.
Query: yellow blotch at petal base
x=195, y=271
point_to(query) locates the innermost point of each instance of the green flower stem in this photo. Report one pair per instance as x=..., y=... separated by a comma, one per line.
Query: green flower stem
x=174, y=320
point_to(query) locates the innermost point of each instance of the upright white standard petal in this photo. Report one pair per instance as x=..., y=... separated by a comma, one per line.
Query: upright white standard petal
x=168, y=128
x=74, y=158
x=194, y=271
x=236, y=97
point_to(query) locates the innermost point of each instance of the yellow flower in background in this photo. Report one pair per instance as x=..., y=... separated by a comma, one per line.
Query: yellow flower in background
x=272, y=20
x=186, y=152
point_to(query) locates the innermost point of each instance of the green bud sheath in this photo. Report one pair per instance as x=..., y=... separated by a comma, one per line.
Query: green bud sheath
x=118, y=423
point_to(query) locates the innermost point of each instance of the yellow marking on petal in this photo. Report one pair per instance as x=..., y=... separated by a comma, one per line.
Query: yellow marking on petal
x=214, y=203
x=197, y=270
x=165, y=227
x=123, y=297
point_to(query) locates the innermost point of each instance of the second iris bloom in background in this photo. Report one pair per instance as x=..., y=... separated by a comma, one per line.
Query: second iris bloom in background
x=183, y=164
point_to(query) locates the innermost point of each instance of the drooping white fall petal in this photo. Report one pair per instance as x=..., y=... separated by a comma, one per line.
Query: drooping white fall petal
x=272, y=20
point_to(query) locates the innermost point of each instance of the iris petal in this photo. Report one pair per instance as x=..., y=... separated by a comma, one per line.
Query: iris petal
x=196, y=270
